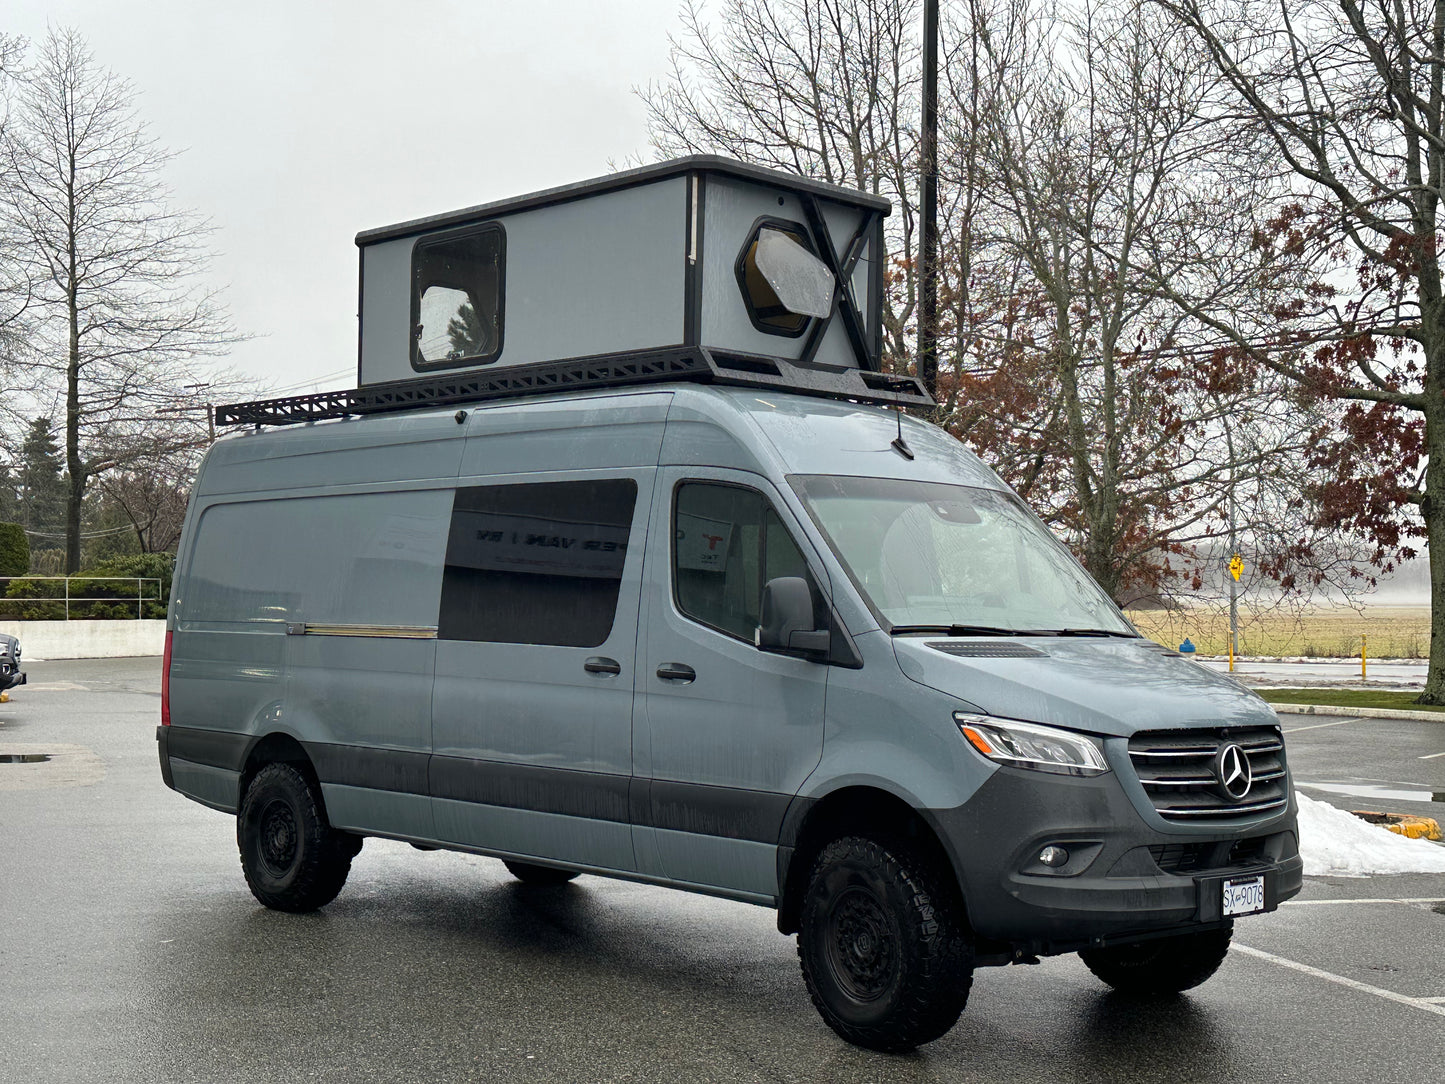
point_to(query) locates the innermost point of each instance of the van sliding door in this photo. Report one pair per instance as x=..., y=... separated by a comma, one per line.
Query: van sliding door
x=532, y=704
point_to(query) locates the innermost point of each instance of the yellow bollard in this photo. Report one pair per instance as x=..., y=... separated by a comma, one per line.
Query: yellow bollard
x=1362, y=656
x=1231, y=654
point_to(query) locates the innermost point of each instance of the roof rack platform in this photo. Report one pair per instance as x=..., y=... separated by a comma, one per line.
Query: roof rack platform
x=608, y=371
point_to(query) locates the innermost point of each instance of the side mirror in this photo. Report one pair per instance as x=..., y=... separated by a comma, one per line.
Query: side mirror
x=787, y=619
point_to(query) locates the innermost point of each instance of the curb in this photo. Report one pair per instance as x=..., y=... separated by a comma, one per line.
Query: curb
x=1358, y=713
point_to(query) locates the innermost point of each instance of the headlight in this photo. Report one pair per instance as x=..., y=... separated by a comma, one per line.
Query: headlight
x=1029, y=745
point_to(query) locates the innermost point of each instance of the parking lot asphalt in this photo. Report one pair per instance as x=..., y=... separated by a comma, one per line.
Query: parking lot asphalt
x=131, y=950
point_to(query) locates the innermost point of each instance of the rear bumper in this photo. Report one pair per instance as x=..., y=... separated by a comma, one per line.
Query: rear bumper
x=163, y=741
x=1112, y=888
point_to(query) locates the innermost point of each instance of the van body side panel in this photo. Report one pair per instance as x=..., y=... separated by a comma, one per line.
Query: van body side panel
x=724, y=752
x=557, y=434
x=354, y=563
x=362, y=452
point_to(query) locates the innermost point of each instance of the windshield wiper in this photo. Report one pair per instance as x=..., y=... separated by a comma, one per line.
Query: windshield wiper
x=1085, y=632
x=962, y=630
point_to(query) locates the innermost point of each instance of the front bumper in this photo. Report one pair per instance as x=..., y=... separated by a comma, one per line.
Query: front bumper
x=1113, y=887
x=10, y=676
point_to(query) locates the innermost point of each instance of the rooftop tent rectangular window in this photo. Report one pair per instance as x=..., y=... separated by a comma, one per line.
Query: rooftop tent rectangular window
x=456, y=304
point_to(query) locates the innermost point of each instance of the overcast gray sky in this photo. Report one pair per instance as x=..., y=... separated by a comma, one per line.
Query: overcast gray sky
x=307, y=121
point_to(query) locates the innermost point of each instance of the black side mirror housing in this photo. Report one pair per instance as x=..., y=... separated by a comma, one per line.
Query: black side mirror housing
x=787, y=620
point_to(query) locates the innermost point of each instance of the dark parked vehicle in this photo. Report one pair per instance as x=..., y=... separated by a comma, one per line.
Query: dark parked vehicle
x=10, y=673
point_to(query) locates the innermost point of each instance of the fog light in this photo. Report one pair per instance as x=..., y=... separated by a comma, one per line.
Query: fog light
x=1053, y=856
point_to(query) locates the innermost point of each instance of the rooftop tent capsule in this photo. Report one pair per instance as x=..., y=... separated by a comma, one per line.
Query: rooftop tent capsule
x=739, y=268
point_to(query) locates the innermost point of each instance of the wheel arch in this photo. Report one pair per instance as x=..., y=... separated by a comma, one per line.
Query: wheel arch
x=856, y=809
x=277, y=747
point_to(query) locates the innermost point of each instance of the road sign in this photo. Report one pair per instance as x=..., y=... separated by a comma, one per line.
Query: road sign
x=1236, y=566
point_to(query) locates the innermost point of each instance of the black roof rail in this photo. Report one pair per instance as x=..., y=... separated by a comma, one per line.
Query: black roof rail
x=576, y=374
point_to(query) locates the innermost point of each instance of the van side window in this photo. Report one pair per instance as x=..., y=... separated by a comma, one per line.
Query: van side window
x=727, y=543
x=539, y=563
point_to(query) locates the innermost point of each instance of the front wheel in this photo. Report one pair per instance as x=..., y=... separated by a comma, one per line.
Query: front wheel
x=883, y=947
x=293, y=859
x=1166, y=965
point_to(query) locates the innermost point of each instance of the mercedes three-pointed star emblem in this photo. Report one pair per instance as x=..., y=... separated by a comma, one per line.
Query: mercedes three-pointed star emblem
x=1232, y=770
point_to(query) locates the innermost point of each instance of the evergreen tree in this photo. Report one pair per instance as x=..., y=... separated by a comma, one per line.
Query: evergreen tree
x=42, y=485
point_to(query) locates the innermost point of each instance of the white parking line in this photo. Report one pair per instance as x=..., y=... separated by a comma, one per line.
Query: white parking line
x=1371, y=899
x=1434, y=1000
x=1430, y=756
x=1423, y=1004
x=1318, y=726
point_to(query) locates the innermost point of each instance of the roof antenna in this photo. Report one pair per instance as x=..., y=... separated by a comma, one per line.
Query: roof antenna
x=898, y=444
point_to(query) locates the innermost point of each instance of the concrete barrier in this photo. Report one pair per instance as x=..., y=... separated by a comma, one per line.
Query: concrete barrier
x=86, y=639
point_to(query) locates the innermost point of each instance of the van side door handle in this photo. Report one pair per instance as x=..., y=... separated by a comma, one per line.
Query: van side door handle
x=600, y=664
x=678, y=672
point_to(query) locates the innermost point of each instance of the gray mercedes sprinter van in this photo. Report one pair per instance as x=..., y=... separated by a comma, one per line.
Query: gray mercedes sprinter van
x=746, y=631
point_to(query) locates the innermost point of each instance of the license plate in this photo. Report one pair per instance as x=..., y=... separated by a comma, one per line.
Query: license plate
x=1244, y=896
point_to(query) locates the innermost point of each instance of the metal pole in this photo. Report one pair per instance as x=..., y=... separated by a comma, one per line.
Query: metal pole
x=139, y=598
x=67, y=597
x=928, y=227
x=1233, y=546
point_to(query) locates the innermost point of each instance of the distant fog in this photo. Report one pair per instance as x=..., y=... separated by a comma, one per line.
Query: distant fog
x=1408, y=586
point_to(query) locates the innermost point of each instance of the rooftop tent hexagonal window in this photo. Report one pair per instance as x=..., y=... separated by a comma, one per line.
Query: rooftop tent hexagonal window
x=457, y=298
x=783, y=281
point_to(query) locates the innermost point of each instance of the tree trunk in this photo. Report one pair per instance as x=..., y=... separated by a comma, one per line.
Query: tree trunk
x=1433, y=510
x=75, y=494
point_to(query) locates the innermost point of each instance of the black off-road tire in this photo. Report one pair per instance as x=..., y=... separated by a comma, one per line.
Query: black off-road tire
x=883, y=946
x=292, y=857
x=1167, y=965
x=539, y=875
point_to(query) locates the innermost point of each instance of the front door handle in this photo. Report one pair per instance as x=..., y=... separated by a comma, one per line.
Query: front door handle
x=600, y=664
x=676, y=671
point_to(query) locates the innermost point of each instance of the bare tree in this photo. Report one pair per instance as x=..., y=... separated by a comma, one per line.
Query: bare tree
x=1095, y=397
x=119, y=318
x=1074, y=152
x=14, y=284
x=1349, y=100
x=153, y=494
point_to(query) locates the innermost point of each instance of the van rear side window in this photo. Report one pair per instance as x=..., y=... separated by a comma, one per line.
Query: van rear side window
x=536, y=564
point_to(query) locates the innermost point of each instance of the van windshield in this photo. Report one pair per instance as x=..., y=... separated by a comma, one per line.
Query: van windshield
x=955, y=558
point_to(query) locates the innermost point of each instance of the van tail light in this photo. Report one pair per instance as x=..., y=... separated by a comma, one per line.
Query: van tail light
x=166, y=683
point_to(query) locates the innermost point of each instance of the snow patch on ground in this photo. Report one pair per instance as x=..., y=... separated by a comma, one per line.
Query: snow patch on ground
x=1339, y=844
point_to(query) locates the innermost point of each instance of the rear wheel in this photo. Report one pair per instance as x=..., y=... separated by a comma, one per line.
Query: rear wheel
x=882, y=944
x=293, y=859
x=539, y=875
x=1167, y=965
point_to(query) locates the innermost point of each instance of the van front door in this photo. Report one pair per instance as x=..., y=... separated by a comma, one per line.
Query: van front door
x=726, y=733
x=536, y=640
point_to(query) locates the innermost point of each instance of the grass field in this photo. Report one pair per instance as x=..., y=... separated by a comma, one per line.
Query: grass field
x=1348, y=698
x=1392, y=632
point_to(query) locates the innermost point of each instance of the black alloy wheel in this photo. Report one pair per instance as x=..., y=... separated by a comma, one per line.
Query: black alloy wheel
x=883, y=946
x=292, y=858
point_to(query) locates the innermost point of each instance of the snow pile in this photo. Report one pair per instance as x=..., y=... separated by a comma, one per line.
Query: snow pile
x=1340, y=844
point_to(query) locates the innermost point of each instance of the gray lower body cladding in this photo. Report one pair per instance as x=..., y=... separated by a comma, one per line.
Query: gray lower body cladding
x=1124, y=877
